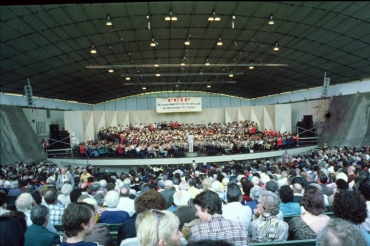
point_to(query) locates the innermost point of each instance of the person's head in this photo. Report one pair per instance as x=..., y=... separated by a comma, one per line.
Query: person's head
x=103, y=183
x=340, y=232
x=84, y=187
x=286, y=194
x=181, y=198
x=233, y=193
x=311, y=177
x=51, y=196
x=24, y=202
x=40, y=215
x=36, y=197
x=84, y=171
x=92, y=202
x=255, y=192
x=21, y=217
x=297, y=188
x=313, y=202
x=206, y=184
x=323, y=178
x=247, y=186
x=111, y=199
x=184, y=185
x=207, y=203
x=255, y=180
x=95, y=186
x=268, y=202
x=125, y=190
x=66, y=189
x=9, y=231
x=168, y=184
x=74, y=195
x=351, y=169
x=63, y=170
x=99, y=197
x=78, y=217
x=151, y=199
x=351, y=206
x=43, y=190
x=165, y=231
x=364, y=188
x=341, y=185
x=272, y=186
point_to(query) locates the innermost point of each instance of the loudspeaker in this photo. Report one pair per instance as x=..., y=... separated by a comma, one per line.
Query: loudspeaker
x=48, y=113
x=54, y=131
x=307, y=118
x=179, y=154
x=28, y=92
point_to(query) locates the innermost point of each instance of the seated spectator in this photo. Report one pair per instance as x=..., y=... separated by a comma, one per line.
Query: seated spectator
x=364, y=189
x=266, y=227
x=247, y=186
x=3, y=203
x=351, y=206
x=36, y=233
x=214, y=226
x=340, y=232
x=100, y=233
x=78, y=222
x=297, y=193
x=168, y=192
x=14, y=189
x=113, y=214
x=210, y=243
x=166, y=231
x=125, y=202
x=312, y=221
x=56, y=213
x=287, y=205
x=185, y=212
x=74, y=195
x=9, y=231
x=255, y=194
x=148, y=200
x=64, y=196
x=234, y=210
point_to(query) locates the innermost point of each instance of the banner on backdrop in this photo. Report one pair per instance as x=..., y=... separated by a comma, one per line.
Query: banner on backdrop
x=179, y=104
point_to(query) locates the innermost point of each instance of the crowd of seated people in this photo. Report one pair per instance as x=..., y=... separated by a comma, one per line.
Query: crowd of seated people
x=162, y=140
x=248, y=202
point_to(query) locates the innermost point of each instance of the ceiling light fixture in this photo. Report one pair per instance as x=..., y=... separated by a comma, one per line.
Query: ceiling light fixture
x=111, y=70
x=271, y=21
x=153, y=43
x=201, y=71
x=158, y=74
x=214, y=17
x=109, y=23
x=232, y=23
x=187, y=42
x=207, y=62
x=219, y=41
x=93, y=50
x=276, y=48
x=208, y=86
x=251, y=66
x=170, y=18
x=182, y=62
x=231, y=74
x=127, y=77
x=156, y=63
x=144, y=88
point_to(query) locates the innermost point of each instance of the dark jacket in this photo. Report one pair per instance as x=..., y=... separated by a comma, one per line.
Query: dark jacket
x=127, y=230
x=37, y=235
x=185, y=214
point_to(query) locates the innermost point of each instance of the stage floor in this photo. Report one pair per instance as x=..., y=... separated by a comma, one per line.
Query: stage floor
x=112, y=162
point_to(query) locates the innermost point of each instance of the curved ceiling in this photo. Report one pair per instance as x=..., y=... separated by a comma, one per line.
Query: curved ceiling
x=50, y=45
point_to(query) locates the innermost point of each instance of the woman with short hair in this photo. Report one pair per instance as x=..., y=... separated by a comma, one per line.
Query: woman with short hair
x=266, y=227
x=312, y=221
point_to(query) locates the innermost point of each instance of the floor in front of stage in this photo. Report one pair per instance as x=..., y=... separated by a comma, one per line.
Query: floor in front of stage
x=122, y=164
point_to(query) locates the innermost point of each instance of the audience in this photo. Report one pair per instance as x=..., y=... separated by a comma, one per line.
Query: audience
x=287, y=205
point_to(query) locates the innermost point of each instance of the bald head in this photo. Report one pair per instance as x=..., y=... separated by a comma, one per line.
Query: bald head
x=297, y=188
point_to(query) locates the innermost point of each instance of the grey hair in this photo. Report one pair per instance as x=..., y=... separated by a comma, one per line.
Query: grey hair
x=127, y=192
x=111, y=199
x=168, y=184
x=272, y=185
x=95, y=186
x=103, y=183
x=312, y=176
x=161, y=184
x=39, y=214
x=66, y=189
x=270, y=202
x=255, y=192
x=181, y=198
x=24, y=202
x=184, y=185
x=99, y=197
x=319, y=188
x=339, y=232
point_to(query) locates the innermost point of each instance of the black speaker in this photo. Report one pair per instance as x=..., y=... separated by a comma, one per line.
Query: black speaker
x=307, y=118
x=48, y=113
x=28, y=92
x=179, y=154
x=54, y=128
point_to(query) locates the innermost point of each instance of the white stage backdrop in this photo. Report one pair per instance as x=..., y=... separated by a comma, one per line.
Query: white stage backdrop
x=86, y=124
x=179, y=104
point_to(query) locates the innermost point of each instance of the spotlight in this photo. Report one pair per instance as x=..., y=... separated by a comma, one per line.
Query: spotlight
x=111, y=70
x=231, y=74
x=153, y=43
x=109, y=23
x=251, y=66
x=271, y=21
x=127, y=77
x=93, y=50
x=219, y=41
x=170, y=18
x=276, y=48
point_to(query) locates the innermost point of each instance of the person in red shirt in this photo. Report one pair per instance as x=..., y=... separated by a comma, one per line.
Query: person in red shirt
x=253, y=130
x=271, y=133
x=176, y=125
x=279, y=143
x=171, y=125
x=265, y=132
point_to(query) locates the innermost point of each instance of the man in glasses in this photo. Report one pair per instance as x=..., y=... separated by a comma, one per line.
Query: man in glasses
x=215, y=227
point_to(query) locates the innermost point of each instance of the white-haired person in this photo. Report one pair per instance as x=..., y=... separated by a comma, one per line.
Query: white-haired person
x=266, y=227
x=103, y=184
x=158, y=228
x=63, y=197
x=185, y=212
x=112, y=214
x=25, y=203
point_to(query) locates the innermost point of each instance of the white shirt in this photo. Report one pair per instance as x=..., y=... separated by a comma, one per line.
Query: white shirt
x=235, y=211
x=366, y=224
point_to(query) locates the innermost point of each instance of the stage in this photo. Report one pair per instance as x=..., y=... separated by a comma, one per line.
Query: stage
x=123, y=164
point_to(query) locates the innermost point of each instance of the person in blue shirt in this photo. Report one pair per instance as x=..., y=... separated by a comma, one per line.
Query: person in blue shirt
x=287, y=205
